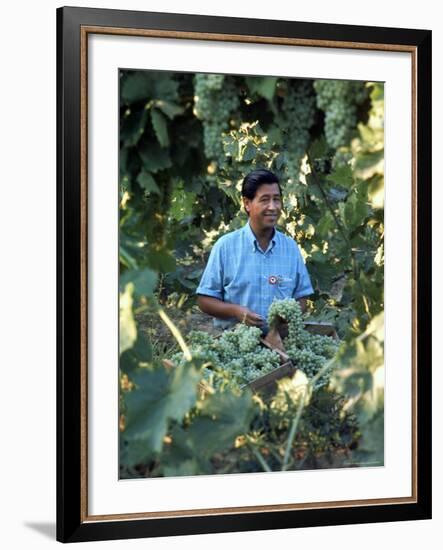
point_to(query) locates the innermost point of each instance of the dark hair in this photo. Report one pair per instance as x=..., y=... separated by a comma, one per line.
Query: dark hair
x=256, y=178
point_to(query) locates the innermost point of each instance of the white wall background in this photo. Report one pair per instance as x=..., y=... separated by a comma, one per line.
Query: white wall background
x=28, y=100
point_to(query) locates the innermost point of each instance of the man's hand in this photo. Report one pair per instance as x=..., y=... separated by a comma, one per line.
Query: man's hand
x=225, y=310
x=248, y=317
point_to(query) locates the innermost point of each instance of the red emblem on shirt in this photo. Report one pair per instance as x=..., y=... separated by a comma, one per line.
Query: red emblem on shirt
x=272, y=280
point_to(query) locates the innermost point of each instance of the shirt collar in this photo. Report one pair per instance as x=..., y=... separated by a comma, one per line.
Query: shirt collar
x=253, y=239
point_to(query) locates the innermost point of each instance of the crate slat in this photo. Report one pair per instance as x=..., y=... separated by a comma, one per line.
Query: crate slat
x=269, y=379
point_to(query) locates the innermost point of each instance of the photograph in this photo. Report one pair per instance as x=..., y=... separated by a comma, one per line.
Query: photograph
x=251, y=261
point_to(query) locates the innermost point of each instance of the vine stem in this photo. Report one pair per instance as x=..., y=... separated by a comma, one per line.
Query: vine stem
x=258, y=456
x=293, y=431
x=300, y=408
x=176, y=333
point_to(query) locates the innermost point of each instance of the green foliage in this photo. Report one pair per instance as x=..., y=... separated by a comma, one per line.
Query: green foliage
x=159, y=396
x=361, y=378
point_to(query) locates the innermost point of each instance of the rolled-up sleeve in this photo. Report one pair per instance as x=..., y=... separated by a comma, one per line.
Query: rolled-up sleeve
x=211, y=283
x=303, y=286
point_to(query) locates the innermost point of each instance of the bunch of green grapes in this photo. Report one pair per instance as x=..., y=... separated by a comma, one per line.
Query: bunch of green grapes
x=321, y=345
x=237, y=356
x=308, y=352
x=289, y=310
x=234, y=359
x=215, y=99
x=339, y=99
x=297, y=117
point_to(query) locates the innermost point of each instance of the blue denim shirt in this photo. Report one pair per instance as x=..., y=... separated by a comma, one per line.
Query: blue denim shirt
x=239, y=272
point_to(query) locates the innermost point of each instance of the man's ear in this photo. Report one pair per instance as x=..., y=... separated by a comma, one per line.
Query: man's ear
x=246, y=203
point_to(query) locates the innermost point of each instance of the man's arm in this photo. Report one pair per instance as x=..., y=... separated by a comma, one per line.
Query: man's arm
x=225, y=310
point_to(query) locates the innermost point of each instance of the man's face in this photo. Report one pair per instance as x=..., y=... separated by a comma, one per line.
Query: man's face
x=265, y=208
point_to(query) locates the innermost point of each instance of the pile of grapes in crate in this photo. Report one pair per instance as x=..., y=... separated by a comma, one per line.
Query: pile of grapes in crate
x=241, y=357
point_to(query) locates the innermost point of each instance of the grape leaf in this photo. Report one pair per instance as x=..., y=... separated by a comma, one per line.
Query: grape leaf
x=264, y=87
x=369, y=159
x=342, y=176
x=140, y=352
x=249, y=152
x=144, y=281
x=133, y=126
x=222, y=418
x=147, y=182
x=166, y=87
x=134, y=452
x=171, y=110
x=161, y=261
x=356, y=208
x=161, y=395
x=154, y=157
x=319, y=148
x=136, y=85
x=160, y=127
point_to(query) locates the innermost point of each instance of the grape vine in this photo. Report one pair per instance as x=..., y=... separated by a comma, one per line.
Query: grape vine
x=215, y=99
x=296, y=119
x=339, y=99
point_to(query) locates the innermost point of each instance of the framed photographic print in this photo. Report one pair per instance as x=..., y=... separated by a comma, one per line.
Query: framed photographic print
x=244, y=274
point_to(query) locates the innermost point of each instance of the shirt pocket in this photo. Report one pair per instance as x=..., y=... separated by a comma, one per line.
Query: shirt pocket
x=285, y=287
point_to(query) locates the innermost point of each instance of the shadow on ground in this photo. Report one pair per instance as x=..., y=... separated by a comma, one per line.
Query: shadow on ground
x=46, y=529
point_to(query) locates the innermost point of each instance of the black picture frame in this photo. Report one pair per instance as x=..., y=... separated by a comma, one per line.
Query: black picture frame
x=73, y=523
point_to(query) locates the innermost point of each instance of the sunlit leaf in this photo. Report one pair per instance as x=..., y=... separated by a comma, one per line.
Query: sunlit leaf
x=128, y=329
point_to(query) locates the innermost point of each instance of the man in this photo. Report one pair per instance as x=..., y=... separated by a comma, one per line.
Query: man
x=250, y=267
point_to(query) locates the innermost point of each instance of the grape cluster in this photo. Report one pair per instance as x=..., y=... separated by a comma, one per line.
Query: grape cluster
x=339, y=99
x=307, y=351
x=215, y=99
x=235, y=358
x=297, y=117
x=289, y=310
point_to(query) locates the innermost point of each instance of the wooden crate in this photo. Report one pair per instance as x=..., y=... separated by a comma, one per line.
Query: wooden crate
x=268, y=381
